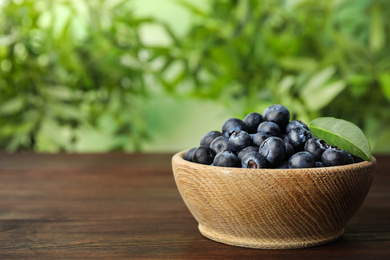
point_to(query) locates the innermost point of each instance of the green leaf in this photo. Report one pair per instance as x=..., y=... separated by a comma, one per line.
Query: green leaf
x=341, y=133
x=317, y=80
x=193, y=8
x=377, y=31
x=298, y=63
x=324, y=95
x=11, y=106
x=173, y=36
x=59, y=92
x=384, y=80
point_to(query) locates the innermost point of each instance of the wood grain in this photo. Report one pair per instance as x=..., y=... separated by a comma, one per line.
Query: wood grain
x=272, y=208
x=127, y=206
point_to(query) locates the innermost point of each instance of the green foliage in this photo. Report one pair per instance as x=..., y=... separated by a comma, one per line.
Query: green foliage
x=80, y=71
x=65, y=67
x=315, y=57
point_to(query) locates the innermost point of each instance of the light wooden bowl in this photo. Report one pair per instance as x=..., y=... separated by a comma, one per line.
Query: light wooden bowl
x=272, y=208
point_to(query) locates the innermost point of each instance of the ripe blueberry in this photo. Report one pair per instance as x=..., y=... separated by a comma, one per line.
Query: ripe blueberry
x=349, y=158
x=226, y=159
x=278, y=114
x=269, y=128
x=273, y=150
x=247, y=150
x=298, y=137
x=357, y=159
x=189, y=154
x=316, y=147
x=252, y=121
x=295, y=124
x=283, y=165
x=254, y=160
x=204, y=155
x=239, y=140
x=258, y=138
x=220, y=144
x=333, y=156
x=232, y=125
x=302, y=160
x=289, y=149
x=319, y=164
x=209, y=137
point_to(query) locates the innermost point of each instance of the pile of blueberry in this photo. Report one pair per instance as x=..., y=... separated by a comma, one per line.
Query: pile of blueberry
x=270, y=140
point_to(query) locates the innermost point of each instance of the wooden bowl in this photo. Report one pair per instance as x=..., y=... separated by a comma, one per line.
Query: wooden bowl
x=272, y=208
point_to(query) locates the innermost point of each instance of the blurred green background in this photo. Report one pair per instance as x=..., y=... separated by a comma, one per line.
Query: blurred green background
x=156, y=75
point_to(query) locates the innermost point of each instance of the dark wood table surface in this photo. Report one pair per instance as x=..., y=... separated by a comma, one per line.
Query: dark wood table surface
x=127, y=206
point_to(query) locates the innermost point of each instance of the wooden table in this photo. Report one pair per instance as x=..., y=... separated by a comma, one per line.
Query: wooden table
x=121, y=206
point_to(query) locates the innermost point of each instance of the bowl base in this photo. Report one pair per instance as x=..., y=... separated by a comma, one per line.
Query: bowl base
x=266, y=243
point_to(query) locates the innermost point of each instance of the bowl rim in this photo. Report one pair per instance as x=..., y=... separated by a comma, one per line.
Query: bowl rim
x=179, y=157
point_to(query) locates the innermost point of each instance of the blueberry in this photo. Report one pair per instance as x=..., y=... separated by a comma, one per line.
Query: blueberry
x=333, y=156
x=269, y=128
x=209, y=137
x=273, y=150
x=357, y=159
x=295, y=124
x=298, y=137
x=289, y=149
x=189, y=154
x=254, y=160
x=252, y=121
x=239, y=140
x=258, y=138
x=319, y=164
x=302, y=160
x=220, y=144
x=226, y=159
x=232, y=125
x=204, y=155
x=316, y=147
x=349, y=158
x=278, y=114
x=283, y=165
x=247, y=150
